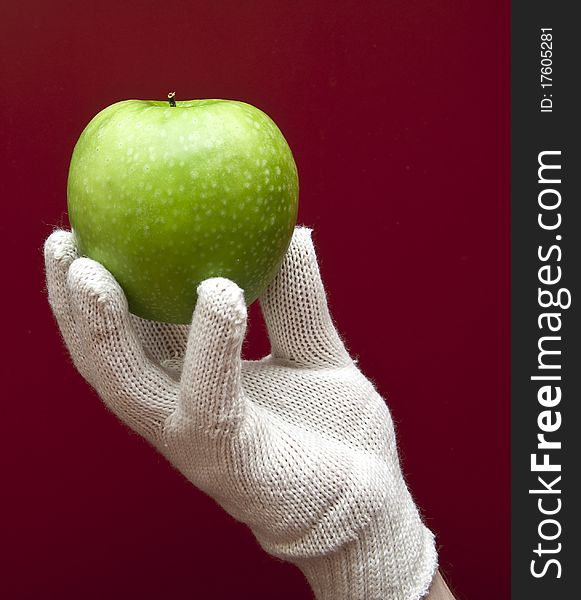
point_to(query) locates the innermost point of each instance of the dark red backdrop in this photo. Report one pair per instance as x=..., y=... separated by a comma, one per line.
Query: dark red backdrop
x=397, y=113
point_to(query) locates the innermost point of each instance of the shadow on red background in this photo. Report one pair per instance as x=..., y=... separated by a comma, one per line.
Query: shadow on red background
x=398, y=115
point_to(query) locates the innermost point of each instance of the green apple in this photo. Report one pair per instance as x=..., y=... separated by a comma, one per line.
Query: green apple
x=166, y=194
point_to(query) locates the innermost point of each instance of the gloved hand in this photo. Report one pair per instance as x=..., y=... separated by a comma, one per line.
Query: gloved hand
x=299, y=445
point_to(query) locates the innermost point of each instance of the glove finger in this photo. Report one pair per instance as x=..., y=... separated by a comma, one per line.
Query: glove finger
x=136, y=390
x=211, y=397
x=295, y=310
x=60, y=250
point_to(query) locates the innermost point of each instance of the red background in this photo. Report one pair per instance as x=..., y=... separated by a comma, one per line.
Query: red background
x=398, y=115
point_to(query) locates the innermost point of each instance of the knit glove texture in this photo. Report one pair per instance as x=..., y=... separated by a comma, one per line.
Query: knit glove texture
x=298, y=445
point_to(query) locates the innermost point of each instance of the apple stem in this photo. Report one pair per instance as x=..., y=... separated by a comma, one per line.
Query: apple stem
x=172, y=98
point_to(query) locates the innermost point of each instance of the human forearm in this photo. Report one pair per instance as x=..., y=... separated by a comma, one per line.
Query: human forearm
x=439, y=590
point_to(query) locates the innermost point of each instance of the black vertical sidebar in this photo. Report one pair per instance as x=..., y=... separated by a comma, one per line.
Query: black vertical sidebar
x=546, y=273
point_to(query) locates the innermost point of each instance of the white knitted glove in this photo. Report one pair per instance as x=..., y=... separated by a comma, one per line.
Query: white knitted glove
x=299, y=445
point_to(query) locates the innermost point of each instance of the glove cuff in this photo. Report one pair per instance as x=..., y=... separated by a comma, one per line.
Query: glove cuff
x=381, y=564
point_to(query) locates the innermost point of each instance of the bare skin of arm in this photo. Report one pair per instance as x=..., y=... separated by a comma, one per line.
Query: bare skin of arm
x=439, y=590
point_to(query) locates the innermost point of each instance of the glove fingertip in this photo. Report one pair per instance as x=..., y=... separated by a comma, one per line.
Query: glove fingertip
x=301, y=235
x=89, y=282
x=223, y=297
x=60, y=246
